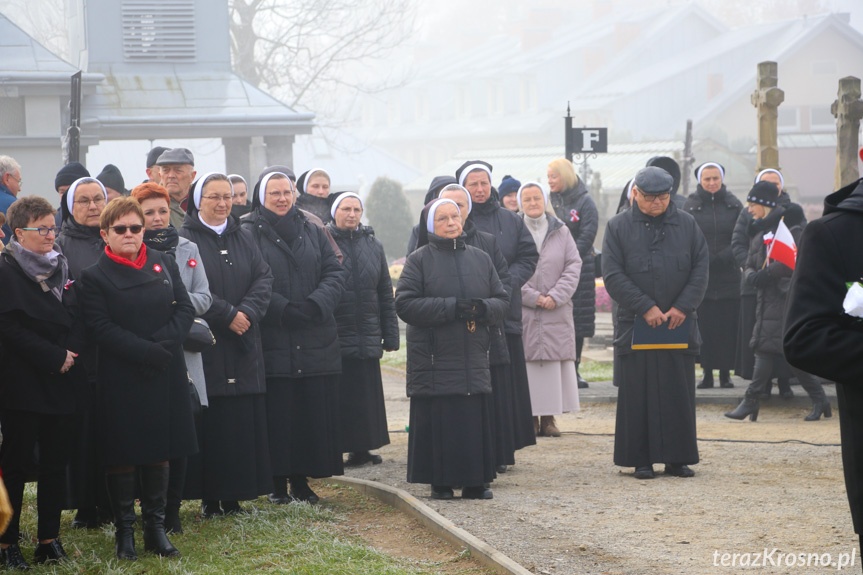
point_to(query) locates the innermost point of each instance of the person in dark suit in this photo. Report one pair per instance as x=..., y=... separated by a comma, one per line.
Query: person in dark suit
x=39, y=346
x=139, y=314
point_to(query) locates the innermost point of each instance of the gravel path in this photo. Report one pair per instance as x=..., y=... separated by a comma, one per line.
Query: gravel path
x=565, y=508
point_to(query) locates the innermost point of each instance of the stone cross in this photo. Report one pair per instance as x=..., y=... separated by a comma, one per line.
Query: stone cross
x=848, y=110
x=766, y=98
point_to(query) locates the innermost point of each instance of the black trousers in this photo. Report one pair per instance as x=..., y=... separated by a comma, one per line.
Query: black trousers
x=22, y=431
x=764, y=367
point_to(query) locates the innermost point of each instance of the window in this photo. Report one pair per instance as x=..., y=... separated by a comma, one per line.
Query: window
x=12, y=119
x=158, y=30
x=821, y=118
x=421, y=108
x=788, y=120
x=527, y=96
x=495, y=100
x=462, y=102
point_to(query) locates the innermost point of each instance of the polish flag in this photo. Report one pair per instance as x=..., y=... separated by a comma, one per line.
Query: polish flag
x=782, y=248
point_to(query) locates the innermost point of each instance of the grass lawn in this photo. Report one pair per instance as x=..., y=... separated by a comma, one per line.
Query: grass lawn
x=296, y=538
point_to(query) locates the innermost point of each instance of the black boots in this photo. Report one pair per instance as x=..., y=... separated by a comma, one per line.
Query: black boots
x=819, y=408
x=154, y=494
x=582, y=383
x=357, y=458
x=279, y=496
x=748, y=407
x=121, y=492
x=784, y=385
x=725, y=378
x=706, y=381
x=300, y=490
x=176, y=483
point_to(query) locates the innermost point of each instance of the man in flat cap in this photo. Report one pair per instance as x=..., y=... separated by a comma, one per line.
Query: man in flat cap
x=177, y=172
x=153, y=173
x=655, y=264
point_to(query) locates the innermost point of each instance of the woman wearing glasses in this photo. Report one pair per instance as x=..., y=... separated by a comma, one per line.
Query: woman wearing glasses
x=82, y=244
x=301, y=345
x=139, y=313
x=40, y=345
x=234, y=460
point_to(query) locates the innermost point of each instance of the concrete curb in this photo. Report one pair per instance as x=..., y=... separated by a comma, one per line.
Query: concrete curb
x=434, y=522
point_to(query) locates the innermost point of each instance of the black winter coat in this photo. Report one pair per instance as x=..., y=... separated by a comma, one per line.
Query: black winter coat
x=770, y=298
x=716, y=215
x=366, y=314
x=307, y=269
x=743, y=233
x=660, y=261
x=145, y=411
x=498, y=350
x=36, y=329
x=820, y=338
x=240, y=280
x=446, y=355
x=577, y=210
x=318, y=206
x=82, y=246
x=517, y=246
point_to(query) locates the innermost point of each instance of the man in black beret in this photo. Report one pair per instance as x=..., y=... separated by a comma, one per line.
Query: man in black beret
x=153, y=173
x=177, y=171
x=655, y=266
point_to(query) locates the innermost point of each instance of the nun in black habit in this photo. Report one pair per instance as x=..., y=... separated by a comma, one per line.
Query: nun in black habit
x=448, y=294
x=234, y=459
x=301, y=345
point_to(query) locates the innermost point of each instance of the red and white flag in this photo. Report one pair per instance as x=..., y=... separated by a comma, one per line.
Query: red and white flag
x=782, y=248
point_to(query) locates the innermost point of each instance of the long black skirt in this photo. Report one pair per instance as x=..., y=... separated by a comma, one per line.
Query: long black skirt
x=522, y=413
x=362, y=411
x=233, y=462
x=305, y=430
x=744, y=361
x=717, y=321
x=450, y=440
x=502, y=422
x=655, y=408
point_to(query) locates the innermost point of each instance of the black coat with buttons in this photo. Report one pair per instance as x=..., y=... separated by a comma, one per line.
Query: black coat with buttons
x=647, y=261
x=305, y=269
x=240, y=280
x=716, y=215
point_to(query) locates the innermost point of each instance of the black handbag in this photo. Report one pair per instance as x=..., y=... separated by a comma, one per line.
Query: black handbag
x=200, y=336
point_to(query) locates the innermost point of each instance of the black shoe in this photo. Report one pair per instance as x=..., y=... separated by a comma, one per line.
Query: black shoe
x=357, y=458
x=706, y=383
x=819, y=408
x=645, y=472
x=678, y=470
x=786, y=393
x=232, y=507
x=725, y=379
x=501, y=468
x=211, y=508
x=784, y=385
x=172, y=520
x=85, y=518
x=121, y=492
x=300, y=490
x=477, y=492
x=50, y=552
x=12, y=558
x=747, y=407
x=154, y=496
x=441, y=492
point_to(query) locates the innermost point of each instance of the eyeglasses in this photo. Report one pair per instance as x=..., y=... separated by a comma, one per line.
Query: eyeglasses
x=135, y=229
x=653, y=197
x=218, y=199
x=43, y=231
x=18, y=179
x=86, y=202
x=280, y=195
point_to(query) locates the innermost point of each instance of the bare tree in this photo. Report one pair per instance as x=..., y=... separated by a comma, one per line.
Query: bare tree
x=308, y=52
x=44, y=20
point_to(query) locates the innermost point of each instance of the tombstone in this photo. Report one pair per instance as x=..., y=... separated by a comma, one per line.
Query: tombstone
x=848, y=110
x=766, y=98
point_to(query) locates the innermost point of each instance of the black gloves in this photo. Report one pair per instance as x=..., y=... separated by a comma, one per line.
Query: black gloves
x=761, y=279
x=159, y=354
x=469, y=309
x=300, y=313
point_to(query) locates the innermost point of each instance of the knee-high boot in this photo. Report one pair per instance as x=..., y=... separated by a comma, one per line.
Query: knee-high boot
x=154, y=493
x=121, y=492
x=176, y=483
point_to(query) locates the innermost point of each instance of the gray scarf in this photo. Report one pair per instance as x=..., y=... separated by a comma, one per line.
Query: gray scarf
x=50, y=271
x=537, y=227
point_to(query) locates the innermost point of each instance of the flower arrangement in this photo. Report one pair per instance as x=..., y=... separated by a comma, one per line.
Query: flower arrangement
x=603, y=300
